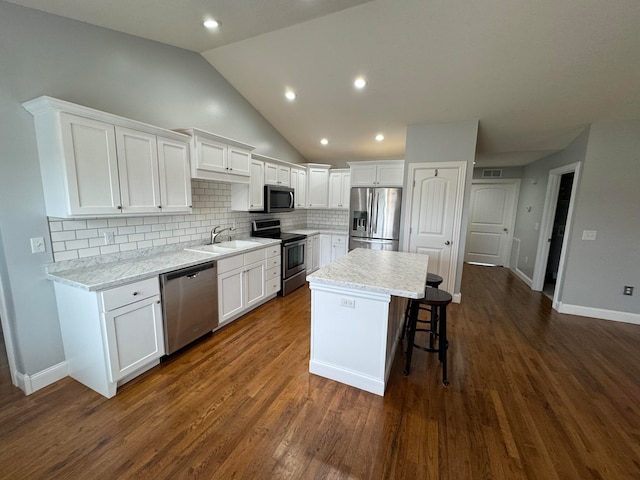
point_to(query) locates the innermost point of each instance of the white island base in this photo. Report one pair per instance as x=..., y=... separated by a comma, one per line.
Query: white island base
x=353, y=336
x=357, y=310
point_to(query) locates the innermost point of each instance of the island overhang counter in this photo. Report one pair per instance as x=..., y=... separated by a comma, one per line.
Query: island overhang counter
x=357, y=310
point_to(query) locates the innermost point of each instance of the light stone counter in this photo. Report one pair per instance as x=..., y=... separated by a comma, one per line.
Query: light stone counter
x=357, y=313
x=107, y=275
x=392, y=273
x=316, y=231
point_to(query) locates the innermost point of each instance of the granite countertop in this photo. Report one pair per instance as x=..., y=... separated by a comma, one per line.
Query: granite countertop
x=108, y=275
x=394, y=273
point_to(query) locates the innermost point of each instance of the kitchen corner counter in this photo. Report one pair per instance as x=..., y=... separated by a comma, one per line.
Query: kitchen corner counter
x=316, y=231
x=392, y=273
x=101, y=276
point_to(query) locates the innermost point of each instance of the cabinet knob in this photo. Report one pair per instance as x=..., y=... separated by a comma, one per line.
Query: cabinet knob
x=119, y=207
x=135, y=293
x=157, y=301
x=159, y=206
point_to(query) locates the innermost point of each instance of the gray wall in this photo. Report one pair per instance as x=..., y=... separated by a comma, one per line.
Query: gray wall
x=445, y=142
x=608, y=200
x=42, y=54
x=533, y=189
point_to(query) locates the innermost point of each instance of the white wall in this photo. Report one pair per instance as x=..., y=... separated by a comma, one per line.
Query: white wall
x=445, y=142
x=41, y=54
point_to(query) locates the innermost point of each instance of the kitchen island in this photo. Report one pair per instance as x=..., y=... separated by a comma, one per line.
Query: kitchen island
x=357, y=308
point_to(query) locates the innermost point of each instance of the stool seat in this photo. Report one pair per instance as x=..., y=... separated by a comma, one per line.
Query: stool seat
x=434, y=280
x=435, y=296
x=436, y=301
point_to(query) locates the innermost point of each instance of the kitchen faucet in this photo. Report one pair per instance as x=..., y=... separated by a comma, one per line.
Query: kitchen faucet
x=215, y=232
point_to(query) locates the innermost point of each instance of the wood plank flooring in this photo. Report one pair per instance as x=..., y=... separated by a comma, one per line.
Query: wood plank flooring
x=533, y=395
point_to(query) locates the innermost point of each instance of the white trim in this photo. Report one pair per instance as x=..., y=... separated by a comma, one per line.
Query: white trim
x=457, y=215
x=522, y=276
x=32, y=383
x=599, y=313
x=348, y=377
x=548, y=214
x=457, y=297
x=512, y=221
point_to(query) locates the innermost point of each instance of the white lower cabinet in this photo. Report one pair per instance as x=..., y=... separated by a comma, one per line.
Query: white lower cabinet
x=332, y=247
x=247, y=280
x=111, y=336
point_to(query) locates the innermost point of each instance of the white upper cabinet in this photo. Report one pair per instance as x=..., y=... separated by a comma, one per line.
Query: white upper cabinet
x=219, y=158
x=339, y=188
x=250, y=198
x=299, y=185
x=383, y=173
x=96, y=164
x=275, y=174
x=318, y=183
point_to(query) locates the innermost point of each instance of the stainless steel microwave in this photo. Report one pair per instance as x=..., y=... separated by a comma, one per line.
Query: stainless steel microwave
x=278, y=199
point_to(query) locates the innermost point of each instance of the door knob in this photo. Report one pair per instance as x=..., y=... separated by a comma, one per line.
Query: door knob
x=447, y=242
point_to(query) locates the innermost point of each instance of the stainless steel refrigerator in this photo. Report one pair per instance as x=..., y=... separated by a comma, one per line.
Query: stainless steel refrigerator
x=375, y=218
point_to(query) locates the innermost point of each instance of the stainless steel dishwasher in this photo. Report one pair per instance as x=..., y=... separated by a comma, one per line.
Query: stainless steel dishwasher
x=189, y=304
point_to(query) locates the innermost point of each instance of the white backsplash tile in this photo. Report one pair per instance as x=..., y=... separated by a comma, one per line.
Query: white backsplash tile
x=84, y=239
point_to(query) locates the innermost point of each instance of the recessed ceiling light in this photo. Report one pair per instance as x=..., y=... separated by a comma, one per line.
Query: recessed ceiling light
x=379, y=137
x=359, y=83
x=290, y=94
x=324, y=141
x=211, y=24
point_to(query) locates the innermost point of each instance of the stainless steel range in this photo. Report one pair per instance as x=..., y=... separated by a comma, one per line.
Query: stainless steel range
x=294, y=252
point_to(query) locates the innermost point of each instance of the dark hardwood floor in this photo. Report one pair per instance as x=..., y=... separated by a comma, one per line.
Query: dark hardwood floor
x=533, y=395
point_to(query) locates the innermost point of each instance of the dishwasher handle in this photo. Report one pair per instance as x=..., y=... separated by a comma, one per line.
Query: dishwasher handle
x=189, y=272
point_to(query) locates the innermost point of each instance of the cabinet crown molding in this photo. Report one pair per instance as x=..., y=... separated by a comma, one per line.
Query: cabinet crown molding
x=46, y=105
x=376, y=162
x=193, y=132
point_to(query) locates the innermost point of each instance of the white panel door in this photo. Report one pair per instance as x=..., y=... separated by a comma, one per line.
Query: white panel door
x=256, y=185
x=489, y=233
x=318, y=192
x=230, y=294
x=211, y=156
x=433, y=208
x=254, y=276
x=238, y=161
x=138, y=169
x=175, y=176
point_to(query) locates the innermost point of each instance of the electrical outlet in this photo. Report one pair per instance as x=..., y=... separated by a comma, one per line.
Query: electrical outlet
x=37, y=245
x=348, y=302
x=589, y=234
x=109, y=238
x=628, y=290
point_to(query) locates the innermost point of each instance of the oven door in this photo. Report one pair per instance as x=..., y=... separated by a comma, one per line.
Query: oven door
x=294, y=258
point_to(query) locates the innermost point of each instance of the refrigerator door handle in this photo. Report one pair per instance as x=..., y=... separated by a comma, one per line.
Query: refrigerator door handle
x=365, y=240
x=369, y=211
x=375, y=230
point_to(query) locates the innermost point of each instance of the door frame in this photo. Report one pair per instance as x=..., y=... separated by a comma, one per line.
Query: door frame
x=457, y=215
x=512, y=221
x=546, y=228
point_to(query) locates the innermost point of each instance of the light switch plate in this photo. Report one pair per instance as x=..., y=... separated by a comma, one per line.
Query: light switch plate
x=589, y=234
x=348, y=302
x=37, y=245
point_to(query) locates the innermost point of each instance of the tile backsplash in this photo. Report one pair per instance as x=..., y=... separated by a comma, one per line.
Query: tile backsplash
x=78, y=239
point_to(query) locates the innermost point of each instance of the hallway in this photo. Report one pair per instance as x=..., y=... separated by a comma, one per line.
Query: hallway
x=533, y=395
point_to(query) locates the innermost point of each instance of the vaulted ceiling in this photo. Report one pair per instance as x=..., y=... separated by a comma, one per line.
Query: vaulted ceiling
x=534, y=73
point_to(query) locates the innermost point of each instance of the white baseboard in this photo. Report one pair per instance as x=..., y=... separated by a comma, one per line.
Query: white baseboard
x=523, y=277
x=342, y=375
x=600, y=313
x=32, y=383
x=457, y=297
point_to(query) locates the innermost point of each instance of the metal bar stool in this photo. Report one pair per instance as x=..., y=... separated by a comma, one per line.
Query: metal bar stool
x=437, y=301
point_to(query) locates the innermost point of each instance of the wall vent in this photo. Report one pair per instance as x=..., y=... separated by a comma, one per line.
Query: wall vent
x=492, y=173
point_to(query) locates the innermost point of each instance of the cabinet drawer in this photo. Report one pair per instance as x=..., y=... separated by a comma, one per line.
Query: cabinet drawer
x=274, y=261
x=230, y=263
x=253, y=257
x=338, y=239
x=272, y=273
x=126, y=294
x=273, y=250
x=272, y=286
